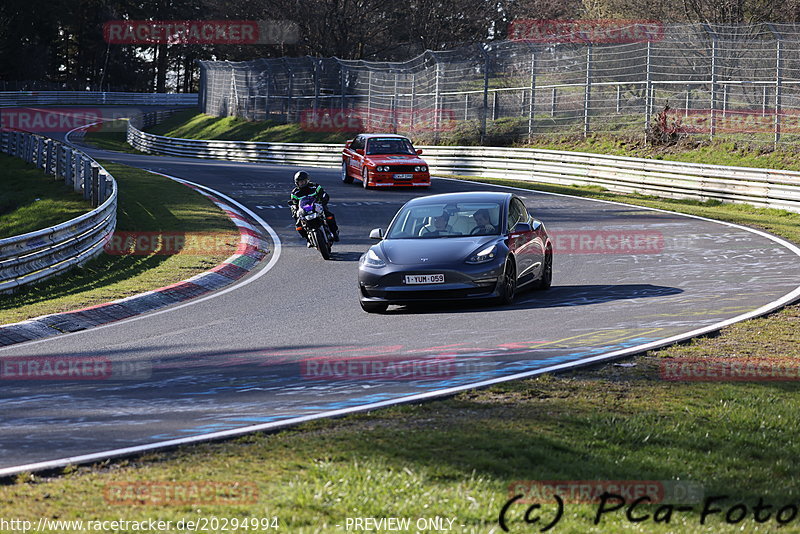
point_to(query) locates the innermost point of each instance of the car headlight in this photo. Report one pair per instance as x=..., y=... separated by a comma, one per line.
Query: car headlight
x=373, y=260
x=420, y=168
x=382, y=168
x=483, y=255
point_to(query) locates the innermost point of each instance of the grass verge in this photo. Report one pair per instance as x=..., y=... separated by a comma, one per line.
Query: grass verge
x=147, y=203
x=31, y=200
x=456, y=458
x=112, y=135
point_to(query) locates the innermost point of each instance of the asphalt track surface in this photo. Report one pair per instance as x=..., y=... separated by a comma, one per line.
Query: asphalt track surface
x=255, y=355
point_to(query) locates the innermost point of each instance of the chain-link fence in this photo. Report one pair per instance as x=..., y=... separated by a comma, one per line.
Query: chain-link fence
x=740, y=82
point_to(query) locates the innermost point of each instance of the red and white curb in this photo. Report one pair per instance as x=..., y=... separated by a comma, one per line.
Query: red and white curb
x=252, y=248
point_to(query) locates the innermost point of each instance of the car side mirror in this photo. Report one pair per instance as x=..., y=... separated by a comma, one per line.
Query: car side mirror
x=360, y=151
x=376, y=233
x=536, y=224
x=522, y=227
x=348, y=143
x=419, y=151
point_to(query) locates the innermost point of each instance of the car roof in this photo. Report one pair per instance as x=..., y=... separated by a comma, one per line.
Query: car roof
x=469, y=196
x=371, y=135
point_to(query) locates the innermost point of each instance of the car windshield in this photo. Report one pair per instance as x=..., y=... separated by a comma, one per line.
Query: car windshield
x=429, y=220
x=389, y=145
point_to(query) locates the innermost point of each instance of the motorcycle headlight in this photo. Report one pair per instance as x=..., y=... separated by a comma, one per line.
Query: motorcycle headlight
x=483, y=255
x=373, y=260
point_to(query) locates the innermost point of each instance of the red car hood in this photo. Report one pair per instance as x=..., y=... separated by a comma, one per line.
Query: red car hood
x=396, y=159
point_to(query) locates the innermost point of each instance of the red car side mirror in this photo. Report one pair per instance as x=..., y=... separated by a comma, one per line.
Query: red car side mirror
x=419, y=151
x=360, y=151
x=348, y=143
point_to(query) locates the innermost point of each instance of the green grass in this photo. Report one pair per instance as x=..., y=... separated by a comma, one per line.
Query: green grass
x=111, y=136
x=31, y=200
x=456, y=458
x=192, y=125
x=109, y=277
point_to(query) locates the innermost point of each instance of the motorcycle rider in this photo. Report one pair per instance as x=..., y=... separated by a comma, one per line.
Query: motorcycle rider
x=305, y=187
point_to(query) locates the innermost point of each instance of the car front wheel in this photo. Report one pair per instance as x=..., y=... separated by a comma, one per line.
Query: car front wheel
x=346, y=178
x=365, y=178
x=508, y=284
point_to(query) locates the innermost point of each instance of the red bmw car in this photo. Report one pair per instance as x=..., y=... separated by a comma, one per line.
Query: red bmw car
x=384, y=160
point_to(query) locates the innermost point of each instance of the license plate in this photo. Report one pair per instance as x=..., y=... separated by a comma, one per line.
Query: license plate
x=424, y=279
x=403, y=176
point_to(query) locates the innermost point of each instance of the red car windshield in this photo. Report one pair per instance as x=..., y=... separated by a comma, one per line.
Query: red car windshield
x=389, y=145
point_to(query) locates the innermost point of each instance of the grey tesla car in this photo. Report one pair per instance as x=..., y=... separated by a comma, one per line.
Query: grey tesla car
x=456, y=246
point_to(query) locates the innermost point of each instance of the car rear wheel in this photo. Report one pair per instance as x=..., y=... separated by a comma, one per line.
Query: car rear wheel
x=346, y=178
x=365, y=178
x=373, y=307
x=547, y=274
x=508, y=285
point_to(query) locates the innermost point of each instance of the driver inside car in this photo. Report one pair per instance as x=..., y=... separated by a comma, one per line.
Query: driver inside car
x=438, y=227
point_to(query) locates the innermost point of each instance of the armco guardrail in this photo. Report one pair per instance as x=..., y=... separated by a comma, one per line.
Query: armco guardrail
x=41, y=98
x=38, y=255
x=762, y=187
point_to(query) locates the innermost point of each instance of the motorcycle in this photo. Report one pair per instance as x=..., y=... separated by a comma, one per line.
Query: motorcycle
x=311, y=215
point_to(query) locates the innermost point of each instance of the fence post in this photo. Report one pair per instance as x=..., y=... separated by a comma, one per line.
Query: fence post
x=587, y=92
x=713, y=88
x=778, y=88
x=648, y=88
x=494, y=105
x=290, y=89
x=436, y=103
x=466, y=106
x=413, y=96
x=485, y=109
x=343, y=74
x=619, y=98
x=532, y=103
x=394, y=104
x=688, y=101
x=369, y=99
x=553, y=102
x=725, y=90
x=317, y=65
x=764, y=101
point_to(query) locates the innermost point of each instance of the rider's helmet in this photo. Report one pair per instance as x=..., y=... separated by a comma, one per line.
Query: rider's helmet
x=300, y=176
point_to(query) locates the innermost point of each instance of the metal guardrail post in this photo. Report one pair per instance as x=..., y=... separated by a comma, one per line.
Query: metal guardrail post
x=86, y=165
x=69, y=168
x=95, y=181
x=48, y=158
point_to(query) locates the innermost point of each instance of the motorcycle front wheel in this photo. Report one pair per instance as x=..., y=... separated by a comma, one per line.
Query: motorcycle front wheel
x=323, y=245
